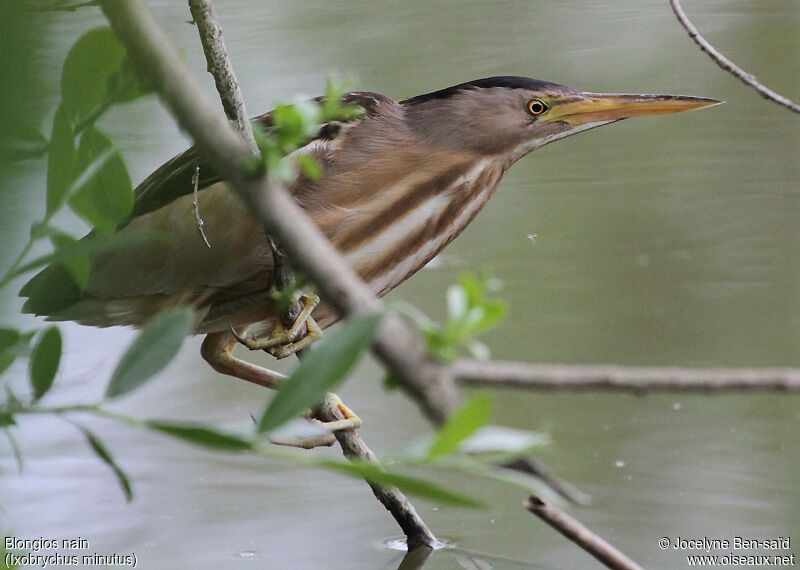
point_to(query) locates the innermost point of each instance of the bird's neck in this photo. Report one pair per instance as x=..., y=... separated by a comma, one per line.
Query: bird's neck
x=403, y=219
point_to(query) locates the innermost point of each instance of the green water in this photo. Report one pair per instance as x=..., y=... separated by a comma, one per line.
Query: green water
x=660, y=241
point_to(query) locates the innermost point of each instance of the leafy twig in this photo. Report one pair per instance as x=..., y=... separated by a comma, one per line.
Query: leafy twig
x=195, y=205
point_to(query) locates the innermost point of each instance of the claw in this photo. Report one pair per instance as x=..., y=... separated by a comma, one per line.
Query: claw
x=239, y=339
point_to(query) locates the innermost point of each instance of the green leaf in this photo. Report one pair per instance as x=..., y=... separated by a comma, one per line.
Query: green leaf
x=125, y=85
x=202, y=436
x=44, y=361
x=90, y=64
x=474, y=288
x=102, y=452
x=78, y=265
x=12, y=345
x=22, y=142
x=321, y=370
x=106, y=198
x=154, y=348
x=332, y=108
x=6, y=360
x=60, y=160
x=7, y=419
x=473, y=415
x=409, y=485
x=309, y=166
x=8, y=338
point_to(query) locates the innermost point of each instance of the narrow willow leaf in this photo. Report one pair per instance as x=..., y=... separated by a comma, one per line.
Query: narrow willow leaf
x=321, y=370
x=102, y=452
x=8, y=338
x=90, y=170
x=154, y=348
x=202, y=435
x=45, y=358
x=90, y=64
x=12, y=344
x=106, y=198
x=60, y=160
x=473, y=415
x=6, y=360
x=125, y=84
x=409, y=485
x=78, y=265
x=22, y=142
x=309, y=166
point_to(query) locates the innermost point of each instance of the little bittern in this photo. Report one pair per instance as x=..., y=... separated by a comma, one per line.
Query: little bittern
x=399, y=184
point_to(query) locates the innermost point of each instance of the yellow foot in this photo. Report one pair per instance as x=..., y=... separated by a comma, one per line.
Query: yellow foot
x=350, y=422
x=282, y=342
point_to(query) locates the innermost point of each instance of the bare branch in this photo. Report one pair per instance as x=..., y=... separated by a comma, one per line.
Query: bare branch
x=728, y=65
x=566, y=490
x=580, y=535
x=219, y=66
x=416, y=531
x=499, y=374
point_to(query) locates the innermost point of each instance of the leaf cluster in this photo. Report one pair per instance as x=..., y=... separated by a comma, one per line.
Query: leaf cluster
x=471, y=311
x=292, y=126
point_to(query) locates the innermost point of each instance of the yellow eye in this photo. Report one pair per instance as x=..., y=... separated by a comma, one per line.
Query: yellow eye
x=537, y=106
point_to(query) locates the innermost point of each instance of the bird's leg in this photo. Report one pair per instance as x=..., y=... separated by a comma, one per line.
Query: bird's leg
x=350, y=422
x=217, y=350
x=313, y=334
x=282, y=342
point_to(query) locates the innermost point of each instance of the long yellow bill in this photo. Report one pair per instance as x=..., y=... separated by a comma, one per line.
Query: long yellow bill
x=598, y=107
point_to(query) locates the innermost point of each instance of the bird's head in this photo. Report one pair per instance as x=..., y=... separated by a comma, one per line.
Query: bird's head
x=512, y=116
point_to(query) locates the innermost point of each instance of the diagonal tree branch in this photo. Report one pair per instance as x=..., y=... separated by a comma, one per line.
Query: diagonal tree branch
x=728, y=65
x=219, y=65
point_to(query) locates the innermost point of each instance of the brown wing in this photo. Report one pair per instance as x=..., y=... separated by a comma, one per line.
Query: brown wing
x=173, y=179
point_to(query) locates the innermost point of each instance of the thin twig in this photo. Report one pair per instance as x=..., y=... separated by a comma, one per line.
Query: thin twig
x=418, y=535
x=219, y=66
x=580, y=535
x=728, y=65
x=416, y=531
x=499, y=374
x=566, y=490
x=195, y=206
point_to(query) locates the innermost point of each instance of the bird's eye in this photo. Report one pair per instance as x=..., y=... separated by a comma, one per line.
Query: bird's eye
x=537, y=107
